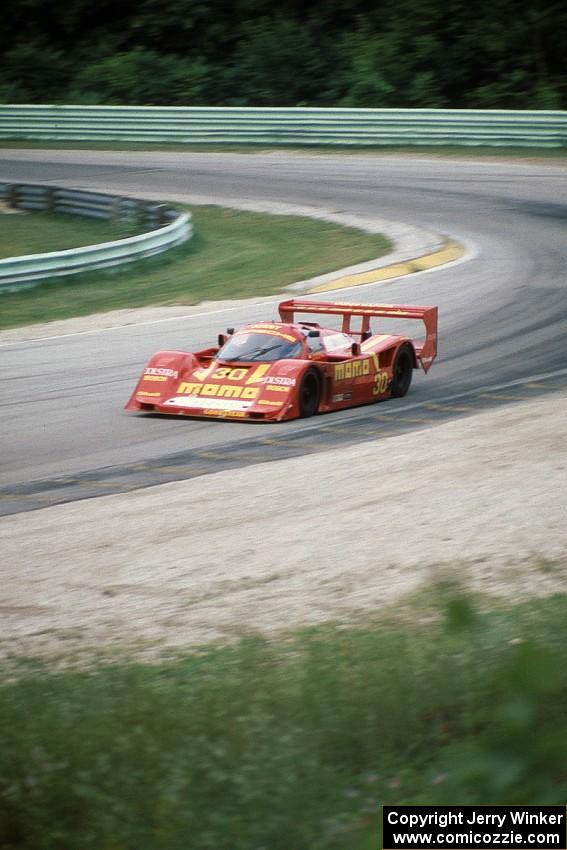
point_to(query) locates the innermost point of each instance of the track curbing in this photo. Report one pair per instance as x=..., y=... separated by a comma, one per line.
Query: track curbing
x=450, y=252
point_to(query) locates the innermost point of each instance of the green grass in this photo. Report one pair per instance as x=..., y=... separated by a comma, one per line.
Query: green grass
x=39, y=233
x=290, y=745
x=232, y=255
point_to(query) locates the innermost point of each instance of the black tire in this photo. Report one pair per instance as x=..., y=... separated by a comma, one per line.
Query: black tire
x=309, y=393
x=402, y=372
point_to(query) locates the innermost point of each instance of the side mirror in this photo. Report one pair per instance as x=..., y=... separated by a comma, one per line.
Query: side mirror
x=222, y=338
x=355, y=349
x=314, y=333
x=230, y=331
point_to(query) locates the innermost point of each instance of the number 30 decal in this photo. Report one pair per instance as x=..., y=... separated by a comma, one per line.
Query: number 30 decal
x=228, y=374
x=380, y=383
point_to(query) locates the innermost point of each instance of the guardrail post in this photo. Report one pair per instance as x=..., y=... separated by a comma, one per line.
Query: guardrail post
x=12, y=196
x=162, y=215
x=51, y=199
x=115, y=209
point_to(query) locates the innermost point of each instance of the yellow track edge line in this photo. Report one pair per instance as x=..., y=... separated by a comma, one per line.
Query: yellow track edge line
x=451, y=251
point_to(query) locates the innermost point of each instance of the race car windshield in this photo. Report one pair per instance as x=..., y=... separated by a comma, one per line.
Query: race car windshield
x=251, y=347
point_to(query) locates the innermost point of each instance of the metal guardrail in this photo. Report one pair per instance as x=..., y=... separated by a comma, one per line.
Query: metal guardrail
x=163, y=227
x=291, y=125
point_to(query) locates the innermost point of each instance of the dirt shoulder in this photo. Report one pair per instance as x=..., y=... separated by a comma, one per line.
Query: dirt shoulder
x=301, y=541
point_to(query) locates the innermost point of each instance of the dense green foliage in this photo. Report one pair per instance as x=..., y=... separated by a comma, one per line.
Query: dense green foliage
x=388, y=53
x=290, y=745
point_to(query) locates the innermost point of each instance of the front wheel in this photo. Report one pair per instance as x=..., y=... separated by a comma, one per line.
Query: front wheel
x=402, y=372
x=309, y=394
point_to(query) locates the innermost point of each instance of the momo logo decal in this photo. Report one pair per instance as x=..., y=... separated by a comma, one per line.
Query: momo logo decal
x=217, y=390
x=352, y=369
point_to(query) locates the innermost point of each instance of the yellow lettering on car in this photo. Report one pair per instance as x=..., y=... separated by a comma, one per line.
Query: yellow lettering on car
x=155, y=378
x=380, y=383
x=217, y=390
x=147, y=394
x=225, y=373
x=228, y=391
x=209, y=389
x=249, y=392
x=258, y=373
x=237, y=414
x=221, y=373
x=352, y=369
x=189, y=388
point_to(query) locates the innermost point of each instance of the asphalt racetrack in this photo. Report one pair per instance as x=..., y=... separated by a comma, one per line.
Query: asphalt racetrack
x=503, y=312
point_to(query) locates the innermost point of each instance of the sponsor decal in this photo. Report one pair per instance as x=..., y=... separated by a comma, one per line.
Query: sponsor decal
x=342, y=397
x=155, y=378
x=269, y=403
x=279, y=379
x=218, y=390
x=274, y=389
x=352, y=369
x=147, y=394
x=158, y=370
x=233, y=414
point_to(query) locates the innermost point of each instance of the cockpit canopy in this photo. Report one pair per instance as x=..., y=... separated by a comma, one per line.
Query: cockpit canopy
x=250, y=346
x=268, y=342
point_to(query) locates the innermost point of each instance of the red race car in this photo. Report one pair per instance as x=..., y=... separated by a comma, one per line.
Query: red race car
x=270, y=371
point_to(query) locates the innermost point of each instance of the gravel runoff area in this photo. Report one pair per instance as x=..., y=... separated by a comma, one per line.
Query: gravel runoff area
x=332, y=536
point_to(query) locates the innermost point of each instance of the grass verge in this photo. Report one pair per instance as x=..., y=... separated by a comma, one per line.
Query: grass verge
x=39, y=233
x=289, y=745
x=231, y=255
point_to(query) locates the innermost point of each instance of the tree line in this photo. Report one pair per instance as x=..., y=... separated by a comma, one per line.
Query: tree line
x=354, y=53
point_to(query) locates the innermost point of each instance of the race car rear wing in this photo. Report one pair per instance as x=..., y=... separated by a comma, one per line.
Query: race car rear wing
x=426, y=350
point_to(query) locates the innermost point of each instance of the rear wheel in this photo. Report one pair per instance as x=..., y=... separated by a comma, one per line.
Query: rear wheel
x=309, y=394
x=402, y=372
